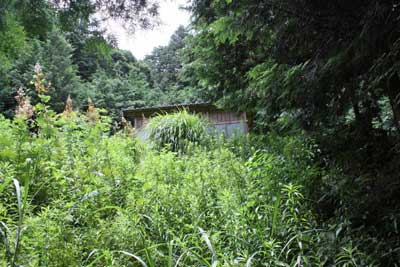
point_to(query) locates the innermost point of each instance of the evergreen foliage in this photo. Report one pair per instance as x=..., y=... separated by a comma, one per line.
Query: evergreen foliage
x=323, y=68
x=165, y=61
x=78, y=60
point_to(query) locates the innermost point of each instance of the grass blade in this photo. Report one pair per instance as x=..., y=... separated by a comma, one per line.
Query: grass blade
x=210, y=247
x=183, y=254
x=18, y=234
x=6, y=242
x=135, y=257
x=170, y=253
x=248, y=262
x=6, y=182
x=275, y=214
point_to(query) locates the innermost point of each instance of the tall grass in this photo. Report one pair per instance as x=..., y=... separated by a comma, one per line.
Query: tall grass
x=176, y=131
x=11, y=252
x=101, y=200
x=83, y=197
x=89, y=198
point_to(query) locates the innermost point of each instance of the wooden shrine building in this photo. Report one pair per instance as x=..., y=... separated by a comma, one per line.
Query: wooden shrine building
x=225, y=122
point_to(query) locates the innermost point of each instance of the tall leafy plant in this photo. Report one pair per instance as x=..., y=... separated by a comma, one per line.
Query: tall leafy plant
x=176, y=131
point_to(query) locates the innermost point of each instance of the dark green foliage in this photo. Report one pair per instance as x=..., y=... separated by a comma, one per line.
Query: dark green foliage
x=37, y=16
x=12, y=39
x=124, y=83
x=165, y=61
x=12, y=43
x=323, y=68
x=318, y=61
x=66, y=38
x=77, y=58
x=134, y=13
x=167, y=70
x=56, y=61
x=54, y=56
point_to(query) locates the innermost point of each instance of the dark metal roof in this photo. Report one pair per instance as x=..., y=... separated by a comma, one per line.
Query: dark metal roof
x=160, y=109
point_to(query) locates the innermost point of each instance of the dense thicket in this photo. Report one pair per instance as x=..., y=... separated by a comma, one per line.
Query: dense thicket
x=71, y=194
x=325, y=71
x=329, y=68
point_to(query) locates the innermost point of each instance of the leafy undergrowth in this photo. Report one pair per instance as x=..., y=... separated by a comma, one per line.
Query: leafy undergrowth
x=71, y=194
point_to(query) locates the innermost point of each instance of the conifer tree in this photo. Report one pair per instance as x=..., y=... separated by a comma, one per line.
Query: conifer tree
x=56, y=59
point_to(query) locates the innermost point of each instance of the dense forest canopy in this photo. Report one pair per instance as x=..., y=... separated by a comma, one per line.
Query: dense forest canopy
x=326, y=71
x=78, y=56
x=329, y=68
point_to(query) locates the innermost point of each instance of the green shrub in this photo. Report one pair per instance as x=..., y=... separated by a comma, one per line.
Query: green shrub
x=176, y=131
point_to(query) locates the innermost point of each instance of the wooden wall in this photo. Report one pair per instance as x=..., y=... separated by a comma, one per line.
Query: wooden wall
x=224, y=121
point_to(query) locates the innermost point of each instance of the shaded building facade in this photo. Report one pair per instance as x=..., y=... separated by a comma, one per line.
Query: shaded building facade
x=223, y=121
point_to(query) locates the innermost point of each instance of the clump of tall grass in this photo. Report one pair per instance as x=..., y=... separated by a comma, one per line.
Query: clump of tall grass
x=176, y=131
